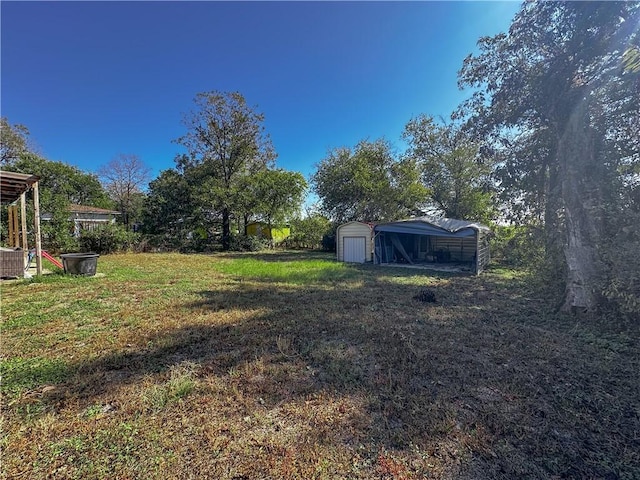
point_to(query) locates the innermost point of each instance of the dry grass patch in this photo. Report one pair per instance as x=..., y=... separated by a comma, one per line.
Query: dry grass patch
x=288, y=365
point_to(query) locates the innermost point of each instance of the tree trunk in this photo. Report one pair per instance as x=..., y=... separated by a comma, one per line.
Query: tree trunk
x=226, y=229
x=579, y=195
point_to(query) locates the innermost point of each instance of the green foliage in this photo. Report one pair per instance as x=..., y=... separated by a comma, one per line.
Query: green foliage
x=277, y=194
x=308, y=232
x=62, y=180
x=13, y=142
x=225, y=142
x=622, y=273
x=108, y=238
x=367, y=183
x=57, y=232
x=60, y=186
x=329, y=241
x=518, y=246
x=555, y=106
x=456, y=176
x=247, y=243
x=168, y=209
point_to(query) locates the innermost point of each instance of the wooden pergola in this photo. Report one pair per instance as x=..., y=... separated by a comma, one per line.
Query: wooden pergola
x=13, y=187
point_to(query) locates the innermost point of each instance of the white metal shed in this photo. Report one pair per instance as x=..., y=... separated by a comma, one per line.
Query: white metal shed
x=354, y=242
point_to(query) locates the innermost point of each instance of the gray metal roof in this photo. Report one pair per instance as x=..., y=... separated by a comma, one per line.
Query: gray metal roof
x=450, y=224
x=447, y=227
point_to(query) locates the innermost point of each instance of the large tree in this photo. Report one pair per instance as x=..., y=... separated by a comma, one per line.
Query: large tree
x=225, y=142
x=168, y=208
x=368, y=183
x=278, y=193
x=125, y=177
x=554, y=89
x=454, y=172
x=63, y=180
x=61, y=185
x=14, y=141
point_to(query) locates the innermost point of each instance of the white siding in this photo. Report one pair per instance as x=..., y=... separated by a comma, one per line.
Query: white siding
x=354, y=230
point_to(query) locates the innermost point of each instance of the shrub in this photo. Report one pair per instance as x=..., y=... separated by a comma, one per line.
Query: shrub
x=622, y=273
x=308, y=232
x=521, y=246
x=329, y=242
x=109, y=238
x=247, y=243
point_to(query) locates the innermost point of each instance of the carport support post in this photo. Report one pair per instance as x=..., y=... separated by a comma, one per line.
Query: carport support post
x=36, y=224
x=477, y=267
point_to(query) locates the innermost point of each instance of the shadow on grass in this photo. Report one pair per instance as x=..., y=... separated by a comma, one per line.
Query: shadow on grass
x=486, y=371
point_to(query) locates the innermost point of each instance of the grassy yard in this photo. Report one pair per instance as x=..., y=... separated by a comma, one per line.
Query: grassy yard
x=289, y=365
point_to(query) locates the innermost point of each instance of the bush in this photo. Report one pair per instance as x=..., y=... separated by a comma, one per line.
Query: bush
x=329, y=242
x=247, y=243
x=308, y=232
x=622, y=283
x=108, y=239
x=521, y=246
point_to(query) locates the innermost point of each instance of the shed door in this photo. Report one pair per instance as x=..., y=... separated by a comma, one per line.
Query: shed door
x=355, y=249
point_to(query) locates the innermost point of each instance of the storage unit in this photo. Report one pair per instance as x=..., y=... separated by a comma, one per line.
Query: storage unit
x=354, y=242
x=429, y=241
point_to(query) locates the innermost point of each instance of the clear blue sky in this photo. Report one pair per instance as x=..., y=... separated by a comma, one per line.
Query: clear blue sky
x=92, y=80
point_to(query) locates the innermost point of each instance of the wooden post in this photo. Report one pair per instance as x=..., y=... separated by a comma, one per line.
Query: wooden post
x=36, y=224
x=16, y=229
x=10, y=224
x=23, y=225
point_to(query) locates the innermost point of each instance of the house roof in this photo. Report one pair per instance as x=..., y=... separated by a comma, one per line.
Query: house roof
x=444, y=227
x=14, y=184
x=88, y=209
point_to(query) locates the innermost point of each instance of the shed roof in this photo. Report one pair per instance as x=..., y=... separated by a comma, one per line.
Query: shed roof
x=443, y=227
x=14, y=184
x=368, y=224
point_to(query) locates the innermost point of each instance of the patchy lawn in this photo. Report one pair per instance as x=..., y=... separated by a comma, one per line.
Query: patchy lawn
x=289, y=365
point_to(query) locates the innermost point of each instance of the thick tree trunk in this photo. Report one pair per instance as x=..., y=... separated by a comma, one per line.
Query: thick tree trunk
x=579, y=194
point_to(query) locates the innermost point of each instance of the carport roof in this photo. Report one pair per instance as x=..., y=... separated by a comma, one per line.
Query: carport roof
x=14, y=184
x=446, y=227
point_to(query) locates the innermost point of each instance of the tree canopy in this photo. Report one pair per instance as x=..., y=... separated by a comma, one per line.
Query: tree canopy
x=559, y=111
x=13, y=141
x=367, y=183
x=457, y=178
x=225, y=142
x=278, y=194
x=168, y=207
x=61, y=185
x=125, y=177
